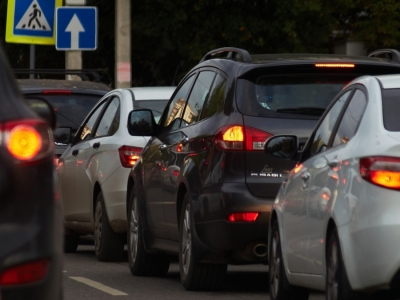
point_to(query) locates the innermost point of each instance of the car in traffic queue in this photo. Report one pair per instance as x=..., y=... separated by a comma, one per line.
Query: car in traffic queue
x=341, y=234
x=72, y=101
x=30, y=212
x=93, y=169
x=203, y=189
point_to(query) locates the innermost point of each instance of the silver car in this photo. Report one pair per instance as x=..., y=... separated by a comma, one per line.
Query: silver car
x=335, y=223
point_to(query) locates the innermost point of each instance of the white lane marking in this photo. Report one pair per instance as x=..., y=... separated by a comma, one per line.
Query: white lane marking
x=99, y=286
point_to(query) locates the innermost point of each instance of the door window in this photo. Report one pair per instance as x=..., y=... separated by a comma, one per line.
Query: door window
x=215, y=101
x=88, y=127
x=109, y=122
x=351, y=119
x=172, y=120
x=198, y=96
x=321, y=138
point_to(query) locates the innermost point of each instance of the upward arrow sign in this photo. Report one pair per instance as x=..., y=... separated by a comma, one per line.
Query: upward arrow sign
x=75, y=27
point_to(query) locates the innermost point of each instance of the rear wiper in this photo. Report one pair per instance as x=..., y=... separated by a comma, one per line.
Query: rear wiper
x=311, y=111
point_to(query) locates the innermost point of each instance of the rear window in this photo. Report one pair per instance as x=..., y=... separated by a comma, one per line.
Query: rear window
x=289, y=95
x=71, y=110
x=391, y=108
x=157, y=106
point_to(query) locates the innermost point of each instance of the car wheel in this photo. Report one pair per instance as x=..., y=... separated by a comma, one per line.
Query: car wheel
x=195, y=275
x=142, y=263
x=109, y=246
x=337, y=283
x=71, y=242
x=279, y=286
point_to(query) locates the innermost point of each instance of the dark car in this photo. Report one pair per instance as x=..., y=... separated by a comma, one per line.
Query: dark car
x=72, y=101
x=203, y=188
x=31, y=237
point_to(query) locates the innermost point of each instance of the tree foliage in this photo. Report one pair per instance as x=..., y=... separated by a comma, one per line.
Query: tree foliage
x=170, y=37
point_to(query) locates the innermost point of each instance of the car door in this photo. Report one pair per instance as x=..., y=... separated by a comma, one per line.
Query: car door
x=300, y=189
x=181, y=144
x=72, y=164
x=153, y=159
x=332, y=172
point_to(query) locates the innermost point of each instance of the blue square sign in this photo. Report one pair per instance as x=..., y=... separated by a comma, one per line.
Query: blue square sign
x=76, y=28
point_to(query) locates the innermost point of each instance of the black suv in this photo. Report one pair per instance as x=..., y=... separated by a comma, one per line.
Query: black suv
x=203, y=187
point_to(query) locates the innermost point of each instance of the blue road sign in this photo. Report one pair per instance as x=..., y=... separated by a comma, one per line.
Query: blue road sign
x=31, y=21
x=76, y=28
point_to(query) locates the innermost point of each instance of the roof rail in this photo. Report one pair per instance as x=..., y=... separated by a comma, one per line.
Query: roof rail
x=392, y=54
x=231, y=53
x=84, y=74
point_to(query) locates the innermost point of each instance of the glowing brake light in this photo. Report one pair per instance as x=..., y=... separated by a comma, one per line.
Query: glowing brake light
x=239, y=137
x=25, y=273
x=243, y=217
x=334, y=65
x=56, y=92
x=27, y=140
x=382, y=171
x=129, y=155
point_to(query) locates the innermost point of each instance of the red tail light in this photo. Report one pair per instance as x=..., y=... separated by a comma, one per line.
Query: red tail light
x=26, y=273
x=334, y=65
x=239, y=137
x=382, y=171
x=56, y=92
x=243, y=217
x=129, y=155
x=27, y=140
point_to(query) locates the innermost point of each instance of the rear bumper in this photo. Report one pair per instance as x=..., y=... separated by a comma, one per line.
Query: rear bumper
x=233, y=242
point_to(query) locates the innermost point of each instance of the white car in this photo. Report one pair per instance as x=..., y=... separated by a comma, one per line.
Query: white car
x=94, y=169
x=341, y=234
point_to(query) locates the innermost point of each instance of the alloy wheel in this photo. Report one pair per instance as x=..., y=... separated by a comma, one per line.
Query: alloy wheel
x=332, y=273
x=98, y=226
x=133, y=231
x=275, y=266
x=186, y=241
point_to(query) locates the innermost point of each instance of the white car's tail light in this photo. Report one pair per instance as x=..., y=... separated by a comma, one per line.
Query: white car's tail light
x=382, y=171
x=27, y=140
x=129, y=155
x=239, y=137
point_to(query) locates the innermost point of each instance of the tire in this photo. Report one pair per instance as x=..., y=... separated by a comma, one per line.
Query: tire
x=71, y=242
x=109, y=246
x=196, y=276
x=337, y=282
x=142, y=263
x=279, y=286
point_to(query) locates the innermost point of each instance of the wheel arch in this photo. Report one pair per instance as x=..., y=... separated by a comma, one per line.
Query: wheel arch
x=96, y=192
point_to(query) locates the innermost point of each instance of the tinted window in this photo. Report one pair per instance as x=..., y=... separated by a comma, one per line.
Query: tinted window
x=391, y=108
x=351, y=118
x=216, y=100
x=172, y=120
x=198, y=96
x=321, y=139
x=88, y=127
x=156, y=106
x=109, y=122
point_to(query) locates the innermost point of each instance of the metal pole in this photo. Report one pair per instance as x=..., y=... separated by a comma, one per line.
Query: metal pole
x=32, y=61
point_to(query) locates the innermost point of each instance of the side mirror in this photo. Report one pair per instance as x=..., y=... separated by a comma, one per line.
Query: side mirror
x=141, y=122
x=43, y=109
x=284, y=146
x=62, y=135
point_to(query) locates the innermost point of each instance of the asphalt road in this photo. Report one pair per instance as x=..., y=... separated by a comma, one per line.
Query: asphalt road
x=86, y=278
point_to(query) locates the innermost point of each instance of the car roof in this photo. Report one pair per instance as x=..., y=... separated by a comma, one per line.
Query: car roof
x=152, y=92
x=390, y=81
x=37, y=85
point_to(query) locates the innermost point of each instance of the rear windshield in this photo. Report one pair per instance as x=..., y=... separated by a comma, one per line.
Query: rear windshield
x=157, y=106
x=71, y=110
x=289, y=95
x=391, y=108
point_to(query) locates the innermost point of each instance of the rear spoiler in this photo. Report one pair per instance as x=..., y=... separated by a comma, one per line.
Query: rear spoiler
x=84, y=74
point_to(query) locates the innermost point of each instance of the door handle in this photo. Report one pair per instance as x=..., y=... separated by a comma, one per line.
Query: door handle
x=305, y=176
x=334, y=163
x=162, y=147
x=96, y=145
x=75, y=152
x=185, y=140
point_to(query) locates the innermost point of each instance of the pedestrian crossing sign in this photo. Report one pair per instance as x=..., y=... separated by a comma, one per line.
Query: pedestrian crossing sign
x=31, y=21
